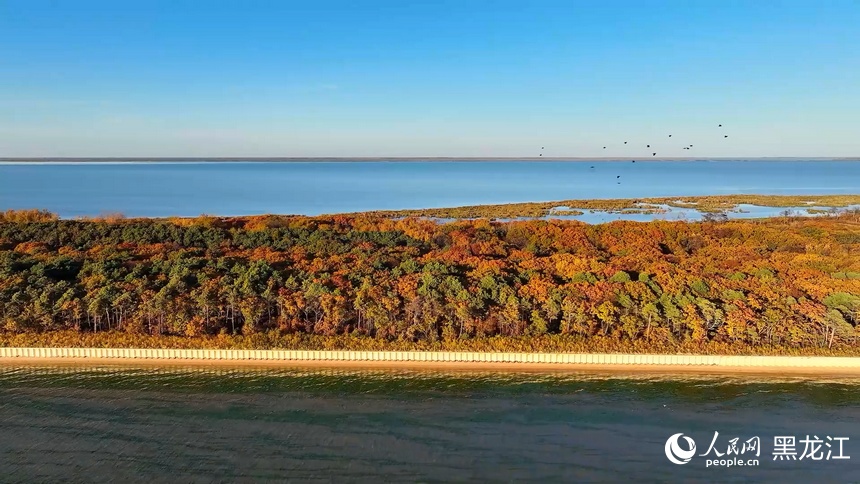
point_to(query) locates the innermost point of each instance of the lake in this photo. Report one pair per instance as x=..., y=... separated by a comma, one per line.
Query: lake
x=317, y=187
x=94, y=423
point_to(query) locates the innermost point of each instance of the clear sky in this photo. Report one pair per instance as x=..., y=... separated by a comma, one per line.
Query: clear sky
x=429, y=78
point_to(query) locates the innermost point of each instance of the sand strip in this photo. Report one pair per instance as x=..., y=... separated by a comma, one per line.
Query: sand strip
x=441, y=366
x=433, y=360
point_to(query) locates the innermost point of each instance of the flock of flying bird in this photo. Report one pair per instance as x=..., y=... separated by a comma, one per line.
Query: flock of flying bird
x=689, y=147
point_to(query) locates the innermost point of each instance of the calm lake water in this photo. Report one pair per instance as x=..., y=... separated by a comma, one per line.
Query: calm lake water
x=127, y=424
x=314, y=187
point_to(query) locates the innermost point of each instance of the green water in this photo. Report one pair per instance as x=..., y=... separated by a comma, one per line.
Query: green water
x=126, y=424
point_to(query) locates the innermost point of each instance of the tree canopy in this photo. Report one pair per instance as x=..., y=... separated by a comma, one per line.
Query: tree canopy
x=788, y=282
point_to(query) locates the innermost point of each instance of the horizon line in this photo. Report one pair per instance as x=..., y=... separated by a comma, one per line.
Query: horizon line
x=411, y=158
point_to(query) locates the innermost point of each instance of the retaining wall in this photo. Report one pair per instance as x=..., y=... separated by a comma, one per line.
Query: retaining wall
x=436, y=356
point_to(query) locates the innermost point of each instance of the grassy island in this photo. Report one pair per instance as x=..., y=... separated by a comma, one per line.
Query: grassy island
x=787, y=285
x=706, y=204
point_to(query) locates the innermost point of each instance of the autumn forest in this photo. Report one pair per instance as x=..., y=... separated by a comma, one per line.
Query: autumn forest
x=788, y=284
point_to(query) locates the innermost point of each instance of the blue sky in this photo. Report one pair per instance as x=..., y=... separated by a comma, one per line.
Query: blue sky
x=429, y=78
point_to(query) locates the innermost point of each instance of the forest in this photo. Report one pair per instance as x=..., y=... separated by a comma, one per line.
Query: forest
x=785, y=285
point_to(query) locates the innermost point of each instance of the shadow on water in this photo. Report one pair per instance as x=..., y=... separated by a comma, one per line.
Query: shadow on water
x=404, y=383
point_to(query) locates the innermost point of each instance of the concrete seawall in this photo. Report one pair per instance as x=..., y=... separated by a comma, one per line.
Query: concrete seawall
x=437, y=357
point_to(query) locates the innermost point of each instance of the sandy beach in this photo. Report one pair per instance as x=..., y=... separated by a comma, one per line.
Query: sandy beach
x=445, y=366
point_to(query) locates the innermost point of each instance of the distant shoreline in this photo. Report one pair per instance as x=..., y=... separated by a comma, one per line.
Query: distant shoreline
x=54, y=160
x=714, y=205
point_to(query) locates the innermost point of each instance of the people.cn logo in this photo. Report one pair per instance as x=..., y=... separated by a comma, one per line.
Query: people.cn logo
x=675, y=453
